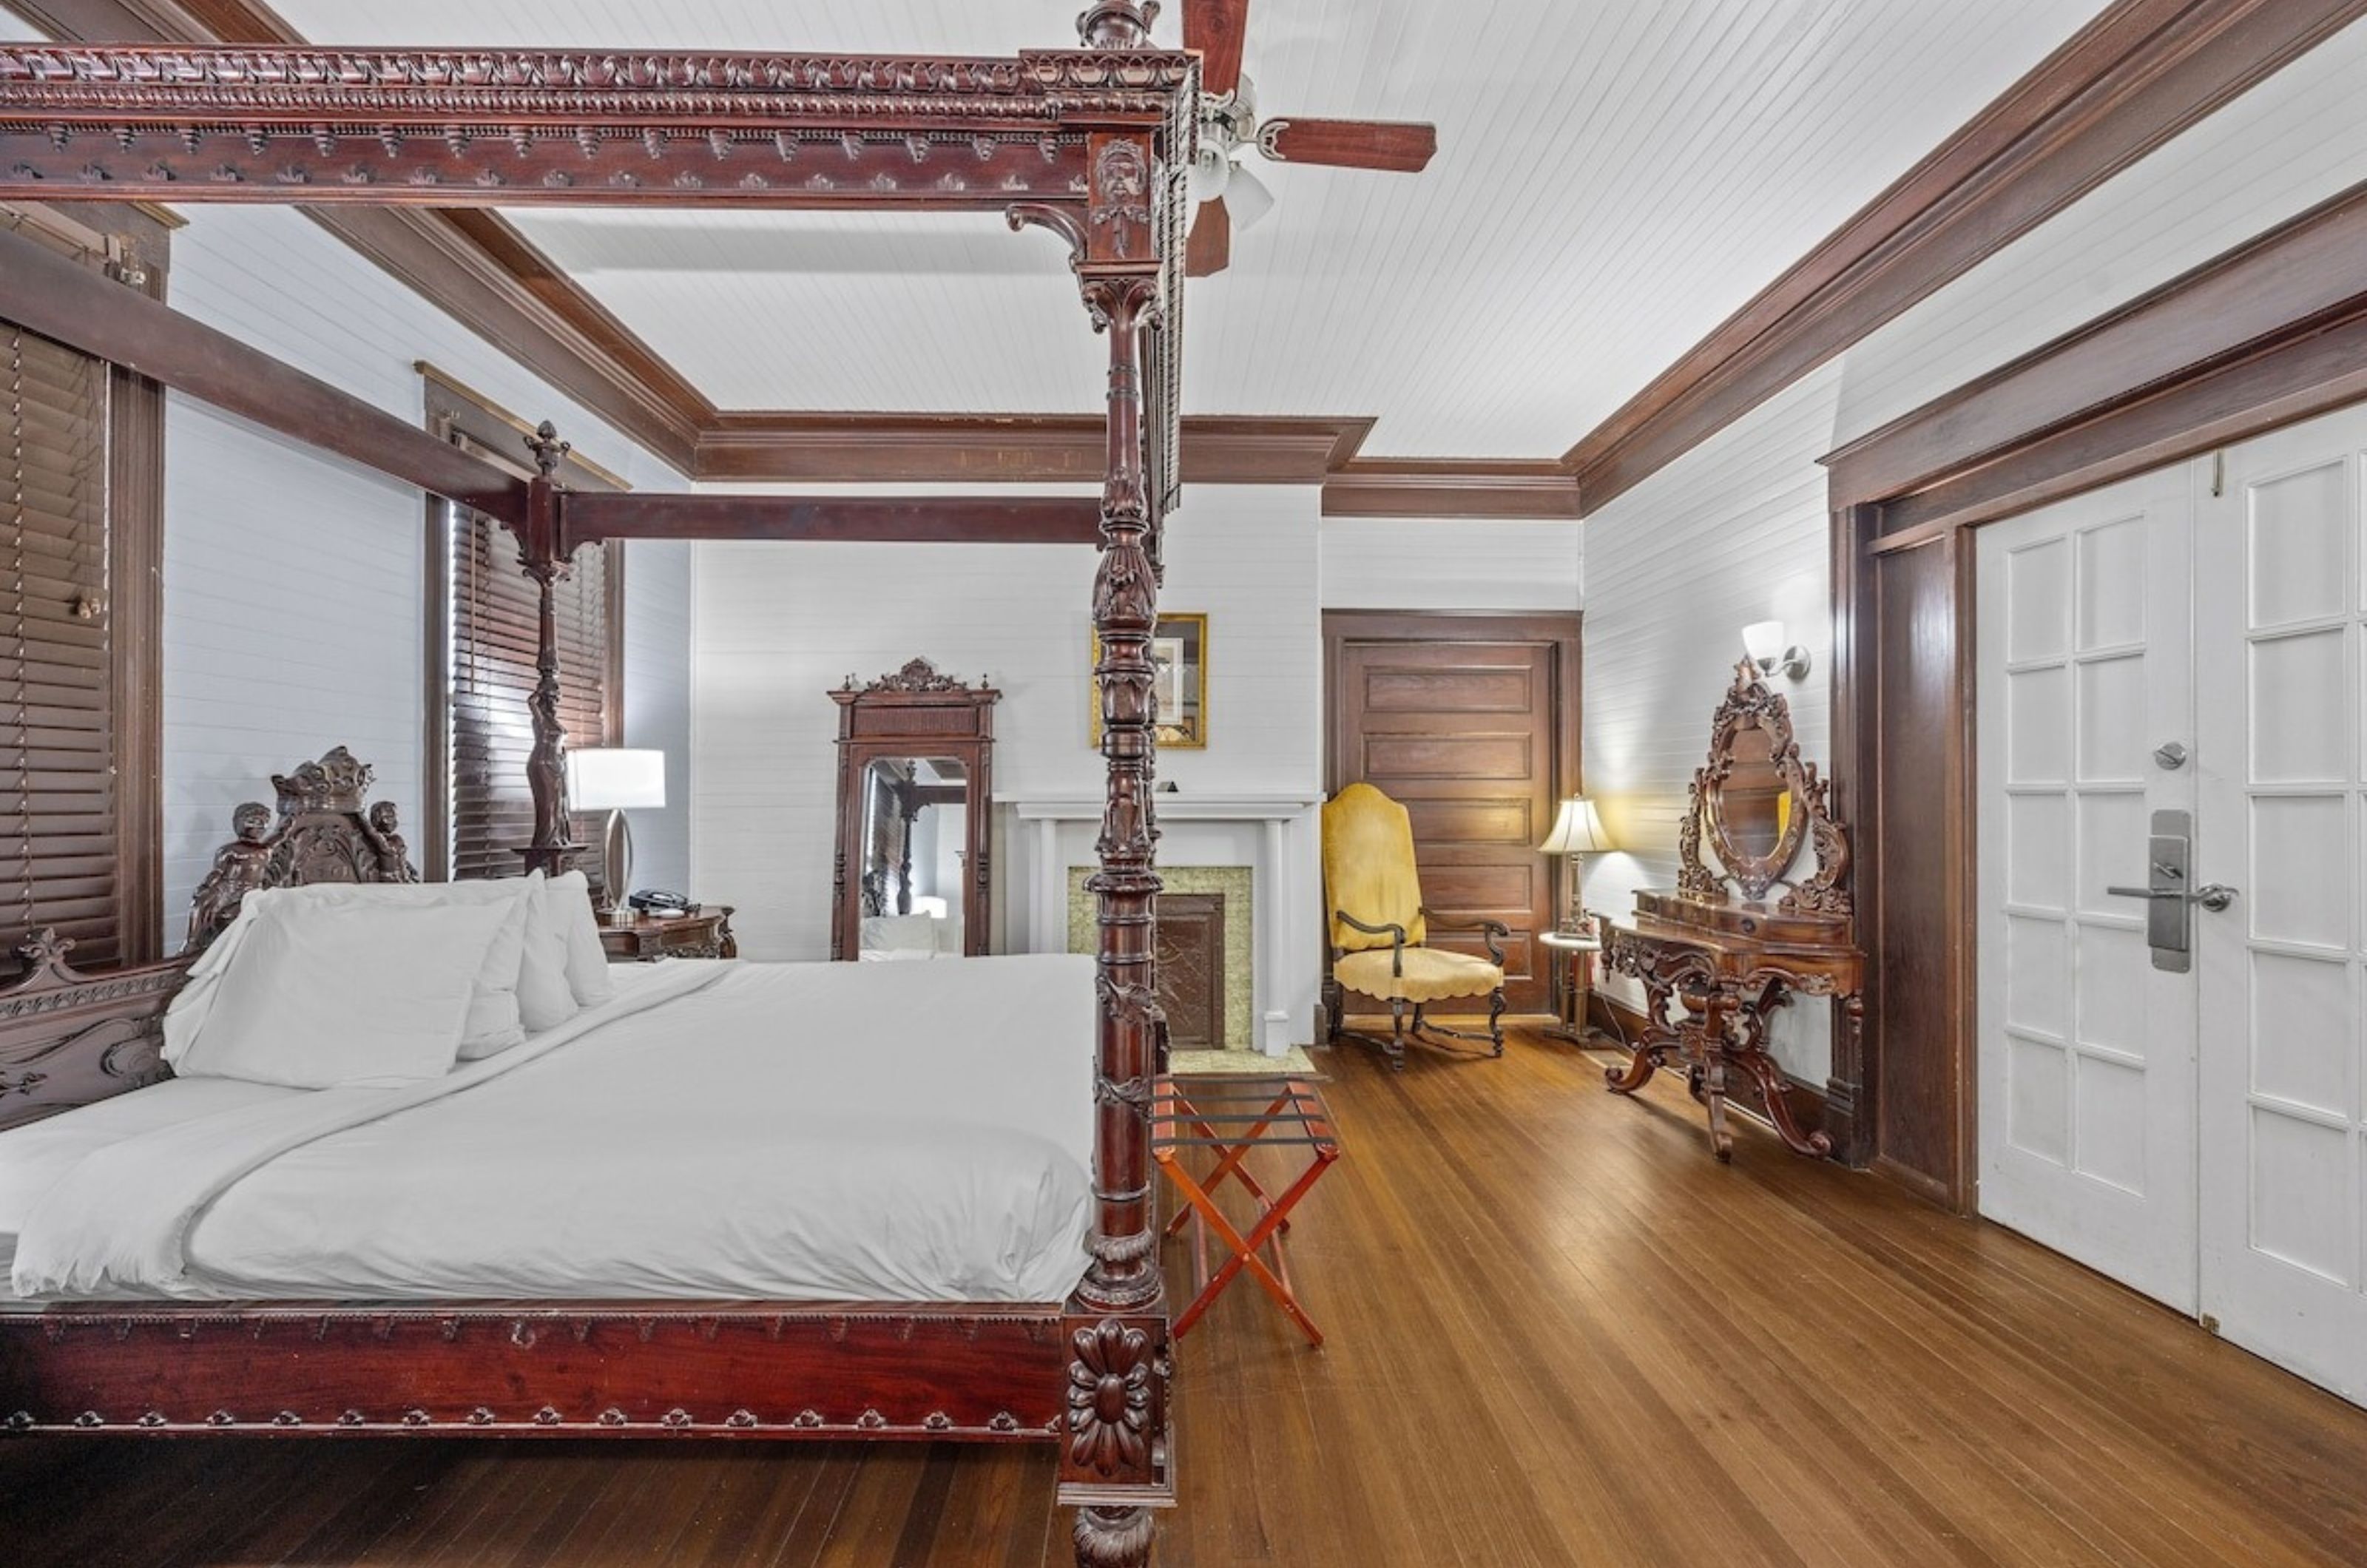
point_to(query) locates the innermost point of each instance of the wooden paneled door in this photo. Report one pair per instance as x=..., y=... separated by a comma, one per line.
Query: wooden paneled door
x=1471, y=722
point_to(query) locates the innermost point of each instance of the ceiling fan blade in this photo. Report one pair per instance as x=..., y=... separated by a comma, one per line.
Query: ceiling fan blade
x=1396, y=145
x=1209, y=247
x=1215, y=27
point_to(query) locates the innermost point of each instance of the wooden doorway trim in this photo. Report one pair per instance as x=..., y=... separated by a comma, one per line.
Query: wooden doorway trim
x=1559, y=632
x=2269, y=333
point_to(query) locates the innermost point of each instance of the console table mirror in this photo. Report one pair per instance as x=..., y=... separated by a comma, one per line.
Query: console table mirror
x=1761, y=913
x=915, y=756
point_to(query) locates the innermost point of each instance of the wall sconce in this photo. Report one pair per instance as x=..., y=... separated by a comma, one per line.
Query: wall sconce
x=1763, y=641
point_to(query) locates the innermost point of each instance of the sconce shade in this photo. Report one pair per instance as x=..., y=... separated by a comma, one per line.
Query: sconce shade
x=1763, y=640
x=1576, y=831
x=615, y=778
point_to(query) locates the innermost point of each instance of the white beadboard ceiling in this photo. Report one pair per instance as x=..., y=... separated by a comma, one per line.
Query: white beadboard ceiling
x=1614, y=179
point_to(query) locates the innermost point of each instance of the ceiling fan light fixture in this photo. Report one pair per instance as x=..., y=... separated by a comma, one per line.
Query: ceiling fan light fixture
x=1212, y=171
x=1247, y=198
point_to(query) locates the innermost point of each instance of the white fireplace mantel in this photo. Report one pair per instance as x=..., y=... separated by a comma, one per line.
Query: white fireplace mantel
x=1272, y=917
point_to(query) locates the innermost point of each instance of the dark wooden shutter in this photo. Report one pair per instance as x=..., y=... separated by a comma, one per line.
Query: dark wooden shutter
x=59, y=841
x=493, y=654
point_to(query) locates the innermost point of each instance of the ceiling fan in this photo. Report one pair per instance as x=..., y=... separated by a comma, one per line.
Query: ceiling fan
x=1229, y=128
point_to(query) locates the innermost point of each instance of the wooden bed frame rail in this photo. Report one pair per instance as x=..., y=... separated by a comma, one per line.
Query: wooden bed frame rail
x=1091, y=144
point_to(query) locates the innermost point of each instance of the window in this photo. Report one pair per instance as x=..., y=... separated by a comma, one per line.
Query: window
x=79, y=729
x=482, y=641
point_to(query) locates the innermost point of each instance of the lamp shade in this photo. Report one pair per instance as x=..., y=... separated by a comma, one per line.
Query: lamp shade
x=1576, y=831
x=614, y=778
x=1763, y=641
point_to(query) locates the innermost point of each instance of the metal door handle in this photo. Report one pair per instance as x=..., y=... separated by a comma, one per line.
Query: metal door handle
x=2214, y=895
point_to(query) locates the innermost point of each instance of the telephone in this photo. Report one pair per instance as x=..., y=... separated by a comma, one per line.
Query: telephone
x=652, y=900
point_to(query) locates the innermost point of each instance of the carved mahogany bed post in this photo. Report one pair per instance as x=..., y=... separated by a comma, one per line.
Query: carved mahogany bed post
x=545, y=554
x=1114, y=1464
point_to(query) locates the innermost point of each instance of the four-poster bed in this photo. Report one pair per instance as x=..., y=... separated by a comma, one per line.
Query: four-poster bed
x=1091, y=143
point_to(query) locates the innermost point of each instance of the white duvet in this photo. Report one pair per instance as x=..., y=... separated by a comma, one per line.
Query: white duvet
x=805, y=1132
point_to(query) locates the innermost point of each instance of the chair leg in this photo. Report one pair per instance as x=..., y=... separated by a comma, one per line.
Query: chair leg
x=1496, y=1021
x=1396, y=1033
x=1335, y=1002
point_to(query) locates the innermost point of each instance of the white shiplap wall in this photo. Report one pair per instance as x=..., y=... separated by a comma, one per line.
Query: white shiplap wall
x=1411, y=563
x=778, y=626
x=1737, y=531
x=293, y=581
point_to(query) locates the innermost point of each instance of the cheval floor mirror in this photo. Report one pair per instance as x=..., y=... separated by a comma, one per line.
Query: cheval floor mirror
x=1089, y=143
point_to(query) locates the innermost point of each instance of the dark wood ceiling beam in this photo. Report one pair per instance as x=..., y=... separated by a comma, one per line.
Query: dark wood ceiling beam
x=1449, y=487
x=588, y=516
x=812, y=449
x=2132, y=79
x=48, y=294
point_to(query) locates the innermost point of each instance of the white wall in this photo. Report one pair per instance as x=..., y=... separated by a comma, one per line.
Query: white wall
x=1736, y=530
x=778, y=626
x=1414, y=563
x=294, y=613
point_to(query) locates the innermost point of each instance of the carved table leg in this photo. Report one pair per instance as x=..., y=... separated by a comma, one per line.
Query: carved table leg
x=1641, y=1063
x=1770, y=1079
x=1711, y=1038
x=1114, y=1537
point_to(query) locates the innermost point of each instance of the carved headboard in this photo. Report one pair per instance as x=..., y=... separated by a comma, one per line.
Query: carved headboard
x=320, y=832
x=68, y=1039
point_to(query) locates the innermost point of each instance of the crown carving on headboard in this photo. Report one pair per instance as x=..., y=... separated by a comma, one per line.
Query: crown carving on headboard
x=919, y=675
x=335, y=783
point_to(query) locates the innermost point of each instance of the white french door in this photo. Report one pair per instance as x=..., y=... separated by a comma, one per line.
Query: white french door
x=2191, y=642
x=2086, y=1050
x=2284, y=1147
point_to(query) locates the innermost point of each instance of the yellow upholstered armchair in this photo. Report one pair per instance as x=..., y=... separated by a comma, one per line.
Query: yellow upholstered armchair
x=1381, y=928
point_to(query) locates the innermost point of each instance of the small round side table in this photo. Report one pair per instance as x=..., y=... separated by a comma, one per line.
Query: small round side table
x=1572, y=1026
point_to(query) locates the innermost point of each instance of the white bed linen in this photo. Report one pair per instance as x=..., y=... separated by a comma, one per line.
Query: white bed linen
x=790, y=1132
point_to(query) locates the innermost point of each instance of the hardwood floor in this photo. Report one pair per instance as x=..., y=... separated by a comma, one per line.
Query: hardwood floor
x=1560, y=1333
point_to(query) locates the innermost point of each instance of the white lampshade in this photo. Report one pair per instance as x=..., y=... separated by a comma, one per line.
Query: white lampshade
x=1576, y=831
x=615, y=778
x=1763, y=640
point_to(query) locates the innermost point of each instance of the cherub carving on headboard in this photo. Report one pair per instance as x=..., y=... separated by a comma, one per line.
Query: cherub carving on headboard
x=320, y=833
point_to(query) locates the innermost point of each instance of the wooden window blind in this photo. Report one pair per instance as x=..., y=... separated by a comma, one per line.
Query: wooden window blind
x=482, y=638
x=59, y=812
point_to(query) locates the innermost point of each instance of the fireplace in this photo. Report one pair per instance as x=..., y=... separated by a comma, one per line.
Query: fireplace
x=1207, y=952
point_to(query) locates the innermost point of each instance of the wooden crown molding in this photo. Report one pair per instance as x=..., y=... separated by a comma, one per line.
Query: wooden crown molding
x=1449, y=487
x=2136, y=77
x=902, y=447
x=2269, y=333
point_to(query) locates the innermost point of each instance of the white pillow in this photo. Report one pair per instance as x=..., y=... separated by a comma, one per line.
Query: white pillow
x=545, y=999
x=494, y=1022
x=327, y=995
x=915, y=934
x=570, y=899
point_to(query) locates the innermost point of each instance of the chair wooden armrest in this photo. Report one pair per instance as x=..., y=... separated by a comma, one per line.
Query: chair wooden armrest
x=1395, y=933
x=1495, y=931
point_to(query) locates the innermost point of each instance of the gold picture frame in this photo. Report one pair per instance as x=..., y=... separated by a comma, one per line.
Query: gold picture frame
x=1179, y=650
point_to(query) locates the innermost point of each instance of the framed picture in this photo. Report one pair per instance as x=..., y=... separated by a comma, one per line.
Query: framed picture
x=1179, y=682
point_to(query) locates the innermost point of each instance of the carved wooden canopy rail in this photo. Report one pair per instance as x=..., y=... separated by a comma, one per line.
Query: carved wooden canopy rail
x=1091, y=144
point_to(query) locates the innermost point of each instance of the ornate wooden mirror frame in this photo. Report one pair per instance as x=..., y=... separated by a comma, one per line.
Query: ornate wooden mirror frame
x=916, y=713
x=1754, y=761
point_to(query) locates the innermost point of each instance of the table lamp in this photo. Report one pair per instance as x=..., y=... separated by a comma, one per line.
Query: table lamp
x=1576, y=831
x=615, y=779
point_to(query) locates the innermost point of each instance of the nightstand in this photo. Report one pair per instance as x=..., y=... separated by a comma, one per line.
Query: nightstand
x=705, y=932
x=1581, y=949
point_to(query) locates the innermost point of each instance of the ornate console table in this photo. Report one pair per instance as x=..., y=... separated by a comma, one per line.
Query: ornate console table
x=1729, y=980
x=1721, y=948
